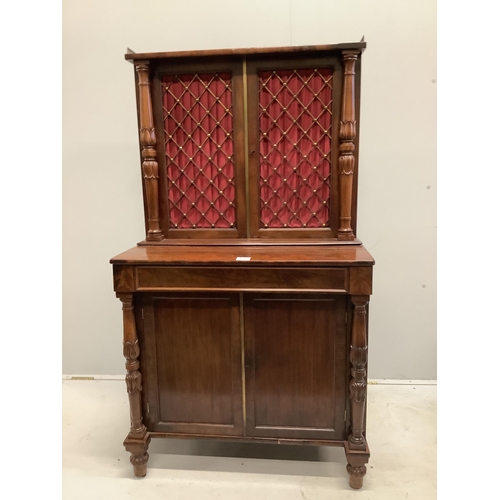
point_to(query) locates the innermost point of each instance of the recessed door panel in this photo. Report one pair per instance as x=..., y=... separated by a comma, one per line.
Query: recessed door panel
x=194, y=350
x=295, y=366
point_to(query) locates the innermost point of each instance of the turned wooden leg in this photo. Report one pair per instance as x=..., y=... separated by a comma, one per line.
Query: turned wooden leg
x=356, y=474
x=356, y=465
x=357, y=452
x=140, y=463
x=138, y=454
x=138, y=439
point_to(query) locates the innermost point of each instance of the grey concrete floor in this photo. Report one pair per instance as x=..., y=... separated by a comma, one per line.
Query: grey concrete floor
x=401, y=432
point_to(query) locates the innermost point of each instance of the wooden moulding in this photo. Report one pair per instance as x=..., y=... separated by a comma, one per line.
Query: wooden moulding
x=303, y=49
x=355, y=280
x=263, y=255
x=253, y=439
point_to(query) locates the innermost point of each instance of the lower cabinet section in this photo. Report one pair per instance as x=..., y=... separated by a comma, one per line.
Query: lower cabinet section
x=244, y=364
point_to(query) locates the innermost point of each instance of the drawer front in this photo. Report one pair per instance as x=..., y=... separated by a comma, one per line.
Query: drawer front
x=241, y=279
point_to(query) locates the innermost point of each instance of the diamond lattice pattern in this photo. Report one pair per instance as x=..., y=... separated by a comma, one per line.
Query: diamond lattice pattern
x=295, y=143
x=198, y=123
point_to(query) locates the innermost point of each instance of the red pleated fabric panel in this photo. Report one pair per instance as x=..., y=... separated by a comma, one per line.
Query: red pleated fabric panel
x=295, y=144
x=198, y=120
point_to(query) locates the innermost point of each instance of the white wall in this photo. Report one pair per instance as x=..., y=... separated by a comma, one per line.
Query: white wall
x=102, y=198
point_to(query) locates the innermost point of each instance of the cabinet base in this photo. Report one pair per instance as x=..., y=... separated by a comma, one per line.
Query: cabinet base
x=356, y=459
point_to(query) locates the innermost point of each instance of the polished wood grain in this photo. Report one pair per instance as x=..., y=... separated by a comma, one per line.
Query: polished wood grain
x=304, y=50
x=241, y=279
x=360, y=280
x=348, y=255
x=123, y=278
x=294, y=352
x=194, y=363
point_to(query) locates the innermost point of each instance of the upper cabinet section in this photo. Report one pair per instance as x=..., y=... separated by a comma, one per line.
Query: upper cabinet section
x=254, y=144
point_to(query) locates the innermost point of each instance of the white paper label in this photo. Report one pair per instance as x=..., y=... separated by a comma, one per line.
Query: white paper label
x=243, y=258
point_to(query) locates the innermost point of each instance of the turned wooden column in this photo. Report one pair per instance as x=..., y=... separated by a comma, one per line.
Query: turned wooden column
x=147, y=137
x=347, y=135
x=138, y=439
x=357, y=392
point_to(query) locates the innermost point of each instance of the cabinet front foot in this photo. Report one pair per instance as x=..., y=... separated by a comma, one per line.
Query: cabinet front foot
x=356, y=464
x=140, y=463
x=356, y=474
x=138, y=448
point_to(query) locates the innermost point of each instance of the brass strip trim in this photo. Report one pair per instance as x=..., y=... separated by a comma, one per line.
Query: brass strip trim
x=245, y=118
x=243, y=385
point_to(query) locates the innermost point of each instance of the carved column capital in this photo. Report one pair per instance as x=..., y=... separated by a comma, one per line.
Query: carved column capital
x=358, y=357
x=131, y=349
x=349, y=57
x=347, y=131
x=134, y=382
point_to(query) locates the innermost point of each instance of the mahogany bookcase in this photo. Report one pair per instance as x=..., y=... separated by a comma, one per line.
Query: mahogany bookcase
x=245, y=307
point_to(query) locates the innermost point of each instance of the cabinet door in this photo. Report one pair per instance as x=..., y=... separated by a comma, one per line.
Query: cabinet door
x=295, y=366
x=200, y=132
x=192, y=363
x=294, y=115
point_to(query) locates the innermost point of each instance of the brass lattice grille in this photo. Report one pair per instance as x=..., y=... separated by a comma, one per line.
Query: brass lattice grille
x=295, y=123
x=198, y=124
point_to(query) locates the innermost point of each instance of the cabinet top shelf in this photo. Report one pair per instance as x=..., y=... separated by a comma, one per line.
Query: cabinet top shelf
x=349, y=255
x=131, y=55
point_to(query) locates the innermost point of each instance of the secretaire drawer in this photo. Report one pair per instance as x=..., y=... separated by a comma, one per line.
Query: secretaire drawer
x=241, y=278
